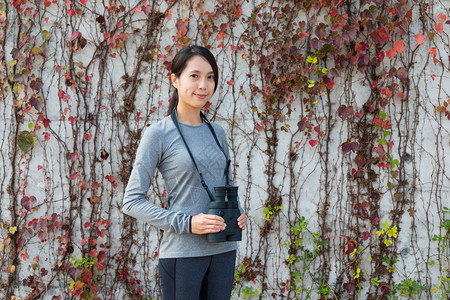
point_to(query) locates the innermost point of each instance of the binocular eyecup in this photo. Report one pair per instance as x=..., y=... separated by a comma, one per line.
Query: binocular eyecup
x=225, y=205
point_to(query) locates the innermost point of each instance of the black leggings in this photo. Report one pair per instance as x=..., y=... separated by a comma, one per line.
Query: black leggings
x=198, y=278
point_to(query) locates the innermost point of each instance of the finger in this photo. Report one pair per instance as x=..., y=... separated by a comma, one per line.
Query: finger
x=214, y=217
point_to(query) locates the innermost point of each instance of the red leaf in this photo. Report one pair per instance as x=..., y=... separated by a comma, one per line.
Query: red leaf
x=380, y=36
x=377, y=120
x=398, y=45
x=88, y=136
x=93, y=253
x=101, y=233
x=313, y=143
x=147, y=8
x=442, y=17
x=73, y=156
x=83, y=2
x=258, y=127
x=100, y=266
x=75, y=35
x=344, y=112
x=88, y=224
x=96, y=185
x=110, y=178
x=386, y=92
x=401, y=95
x=46, y=136
x=27, y=202
x=70, y=12
x=73, y=176
x=73, y=120
x=95, y=198
x=432, y=52
x=402, y=74
x=350, y=246
x=86, y=276
x=330, y=84
x=101, y=256
x=46, y=122
x=349, y=287
x=390, y=53
x=43, y=235
x=439, y=27
x=420, y=38
x=24, y=256
x=366, y=235
x=230, y=82
x=82, y=184
x=349, y=146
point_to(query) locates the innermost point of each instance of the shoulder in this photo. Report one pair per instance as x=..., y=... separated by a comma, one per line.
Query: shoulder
x=159, y=128
x=157, y=132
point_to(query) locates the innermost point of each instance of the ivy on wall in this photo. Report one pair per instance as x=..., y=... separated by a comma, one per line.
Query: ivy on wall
x=335, y=102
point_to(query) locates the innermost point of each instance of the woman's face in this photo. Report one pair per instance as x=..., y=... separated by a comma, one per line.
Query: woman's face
x=196, y=83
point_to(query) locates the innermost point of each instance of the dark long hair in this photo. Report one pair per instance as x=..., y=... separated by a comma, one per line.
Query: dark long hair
x=179, y=63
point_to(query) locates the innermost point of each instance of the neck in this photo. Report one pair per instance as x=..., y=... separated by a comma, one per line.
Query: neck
x=188, y=116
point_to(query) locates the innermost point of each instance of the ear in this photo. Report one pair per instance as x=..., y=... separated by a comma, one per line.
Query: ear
x=174, y=80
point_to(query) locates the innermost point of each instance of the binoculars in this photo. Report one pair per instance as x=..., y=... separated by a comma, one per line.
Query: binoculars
x=229, y=211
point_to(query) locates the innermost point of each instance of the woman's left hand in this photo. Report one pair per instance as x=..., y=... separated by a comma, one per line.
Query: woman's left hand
x=242, y=221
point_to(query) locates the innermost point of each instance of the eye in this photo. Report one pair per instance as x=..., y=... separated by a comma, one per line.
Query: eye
x=211, y=77
x=194, y=75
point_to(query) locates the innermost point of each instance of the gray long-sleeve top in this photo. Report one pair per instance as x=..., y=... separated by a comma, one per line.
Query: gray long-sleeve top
x=161, y=147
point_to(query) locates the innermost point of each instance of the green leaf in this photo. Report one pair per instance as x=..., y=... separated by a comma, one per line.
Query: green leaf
x=12, y=63
x=17, y=89
x=325, y=71
x=46, y=35
x=26, y=140
x=36, y=50
x=31, y=126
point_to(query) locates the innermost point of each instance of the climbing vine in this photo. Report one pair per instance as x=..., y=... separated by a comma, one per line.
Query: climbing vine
x=337, y=113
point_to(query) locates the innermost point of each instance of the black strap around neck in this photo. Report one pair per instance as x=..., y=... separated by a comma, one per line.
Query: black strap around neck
x=173, y=115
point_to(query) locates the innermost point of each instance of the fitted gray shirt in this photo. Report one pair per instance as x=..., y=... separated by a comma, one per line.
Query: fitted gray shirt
x=162, y=148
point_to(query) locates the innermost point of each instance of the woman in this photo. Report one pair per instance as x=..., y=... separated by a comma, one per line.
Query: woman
x=189, y=266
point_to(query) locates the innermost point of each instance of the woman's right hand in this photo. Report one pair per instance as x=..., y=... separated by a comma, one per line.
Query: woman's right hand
x=203, y=223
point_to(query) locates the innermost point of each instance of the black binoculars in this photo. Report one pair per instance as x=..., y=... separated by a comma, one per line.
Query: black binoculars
x=226, y=206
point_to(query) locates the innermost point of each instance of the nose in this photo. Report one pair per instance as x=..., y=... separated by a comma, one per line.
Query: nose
x=202, y=83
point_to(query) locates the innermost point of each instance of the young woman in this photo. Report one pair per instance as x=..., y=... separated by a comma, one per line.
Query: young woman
x=189, y=266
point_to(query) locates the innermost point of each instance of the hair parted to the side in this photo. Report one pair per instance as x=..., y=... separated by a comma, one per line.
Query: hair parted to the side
x=179, y=63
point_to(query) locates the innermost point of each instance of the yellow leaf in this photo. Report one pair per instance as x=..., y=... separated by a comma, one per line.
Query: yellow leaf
x=11, y=269
x=12, y=63
x=1, y=245
x=13, y=229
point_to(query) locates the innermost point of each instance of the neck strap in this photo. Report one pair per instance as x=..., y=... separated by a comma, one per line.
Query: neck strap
x=173, y=115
